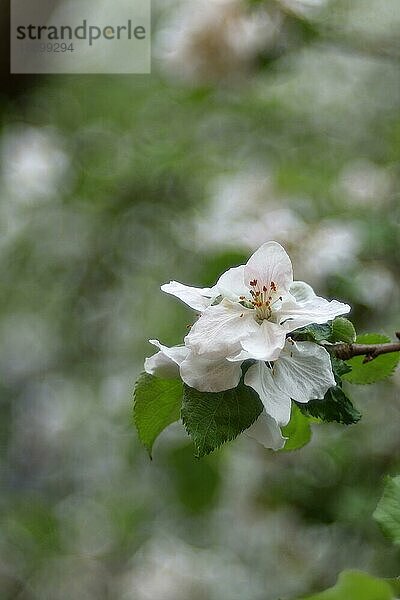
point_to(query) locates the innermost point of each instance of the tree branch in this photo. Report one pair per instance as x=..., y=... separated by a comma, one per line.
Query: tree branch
x=370, y=351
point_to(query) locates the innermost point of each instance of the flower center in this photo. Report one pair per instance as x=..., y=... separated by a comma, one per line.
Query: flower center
x=263, y=298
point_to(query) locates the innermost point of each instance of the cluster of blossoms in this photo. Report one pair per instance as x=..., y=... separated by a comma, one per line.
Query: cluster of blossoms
x=248, y=315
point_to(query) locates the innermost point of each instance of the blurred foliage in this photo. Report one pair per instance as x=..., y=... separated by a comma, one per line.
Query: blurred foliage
x=358, y=586
x=113, y=185
x=387, y=513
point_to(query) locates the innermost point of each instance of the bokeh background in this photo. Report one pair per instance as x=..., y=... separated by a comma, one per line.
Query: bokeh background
x=261, y=120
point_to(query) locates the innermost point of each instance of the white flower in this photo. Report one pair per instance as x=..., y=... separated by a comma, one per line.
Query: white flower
x=248, y=314
x=260, y=305
x=302, y=373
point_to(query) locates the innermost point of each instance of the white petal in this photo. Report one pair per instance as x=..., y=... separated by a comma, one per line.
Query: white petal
x=231, y=284
x=266, y=342
x=266, y=432
x=175, y=353
x=294, y=314
x=197, y=298
x=240, y=356
x=276, y=403
x=270, y=263
x=210, y=375
x=220, y=328
x=301, y=291
x=161, y=366
x=303, y=371
x=165, y=363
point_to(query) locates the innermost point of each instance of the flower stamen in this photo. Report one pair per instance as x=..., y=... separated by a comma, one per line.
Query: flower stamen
x=263, y=299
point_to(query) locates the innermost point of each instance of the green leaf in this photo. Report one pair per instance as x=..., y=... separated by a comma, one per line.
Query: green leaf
x=355, y=585
x=339, y=330
x=313, y=333
x=387, y=513
x=335, y=406
x=157, y=404
x=211, y=419
x=339, y=368
x=298, y=430
x=377, y=369
x=343, y=331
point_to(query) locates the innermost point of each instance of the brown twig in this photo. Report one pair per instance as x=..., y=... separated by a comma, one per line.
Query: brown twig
x=370, y=351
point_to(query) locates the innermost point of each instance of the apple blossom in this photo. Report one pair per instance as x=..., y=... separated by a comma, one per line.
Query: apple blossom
x=260, y=304
x=248, y=315
x=245, y=360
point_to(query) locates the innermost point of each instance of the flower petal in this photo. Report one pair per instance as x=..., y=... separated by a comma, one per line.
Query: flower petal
x=231, y=284
x=165, y=363
x=265, y=431
x=197, y=298
x=266, y=342
x=293, y=315
x=220, y=328
x=301, y=291
x=270, y=263
x=276, y=403
x=303, y=371
x=240, y=356
x=210, y=375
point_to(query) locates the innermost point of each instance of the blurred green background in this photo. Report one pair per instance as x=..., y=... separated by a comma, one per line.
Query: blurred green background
x=261, y=120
